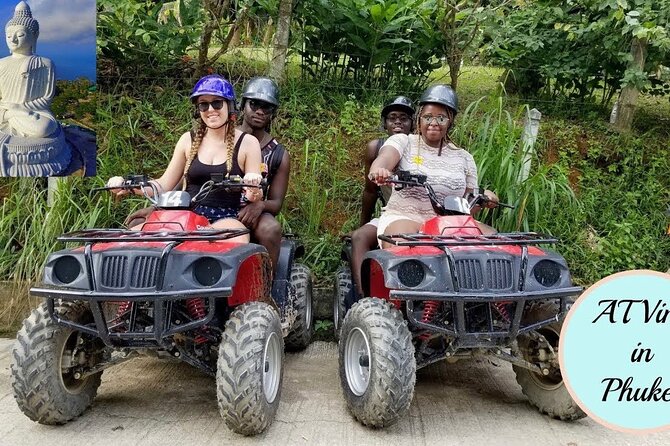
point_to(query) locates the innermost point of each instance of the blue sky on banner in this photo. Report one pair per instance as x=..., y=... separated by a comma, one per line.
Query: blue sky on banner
x=67, y=34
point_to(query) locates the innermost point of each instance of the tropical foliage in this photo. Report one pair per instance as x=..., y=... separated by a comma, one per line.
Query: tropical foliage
x=579, y=48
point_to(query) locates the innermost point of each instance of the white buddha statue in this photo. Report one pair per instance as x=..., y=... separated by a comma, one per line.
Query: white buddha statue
x=31, y=139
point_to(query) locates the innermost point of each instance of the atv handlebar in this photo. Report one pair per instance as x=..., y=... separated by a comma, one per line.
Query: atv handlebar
x=403, y=179
x=217, y=181
x=131, y=182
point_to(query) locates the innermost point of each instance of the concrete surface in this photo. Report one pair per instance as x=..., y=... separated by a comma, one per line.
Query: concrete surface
x=150, y=402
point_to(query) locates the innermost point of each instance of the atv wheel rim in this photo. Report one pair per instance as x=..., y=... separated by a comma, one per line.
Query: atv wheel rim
x=336, y=312
x=357, y=361
x=66, y=364
x=308, y=310
x=271, y=367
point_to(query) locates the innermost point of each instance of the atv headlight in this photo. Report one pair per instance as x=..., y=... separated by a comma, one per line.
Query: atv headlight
x=547, y=273
x=411, y=273
x=66, y=269
x=207, y=271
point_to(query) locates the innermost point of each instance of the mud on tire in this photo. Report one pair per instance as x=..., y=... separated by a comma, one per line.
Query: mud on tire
x=250, y=368
x=377, y=365
x=343, y=286
x=300, y=334
x=547, y=393
x=44, y=387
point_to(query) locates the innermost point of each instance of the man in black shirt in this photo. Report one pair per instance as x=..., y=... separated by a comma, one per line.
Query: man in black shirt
x=258, y=106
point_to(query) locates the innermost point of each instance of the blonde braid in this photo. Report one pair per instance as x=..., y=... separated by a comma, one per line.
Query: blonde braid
x=230, y=143
x=195, y=145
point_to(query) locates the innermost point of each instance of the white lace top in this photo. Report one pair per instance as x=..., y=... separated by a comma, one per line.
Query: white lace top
x=449, y=174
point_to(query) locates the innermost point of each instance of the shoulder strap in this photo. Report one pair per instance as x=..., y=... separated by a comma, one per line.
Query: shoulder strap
x=239, y=142
x=275, y=158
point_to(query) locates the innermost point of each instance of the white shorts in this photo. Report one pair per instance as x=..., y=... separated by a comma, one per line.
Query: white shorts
x=385, y=220
x=374, y=222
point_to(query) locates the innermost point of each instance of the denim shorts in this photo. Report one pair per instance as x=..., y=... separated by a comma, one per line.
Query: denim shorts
x=213, y=213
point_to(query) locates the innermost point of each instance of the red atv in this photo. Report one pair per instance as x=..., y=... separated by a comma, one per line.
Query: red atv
x=450, y=292
x=173, y=290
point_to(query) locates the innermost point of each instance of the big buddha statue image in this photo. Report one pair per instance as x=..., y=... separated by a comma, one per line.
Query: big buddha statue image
x=32, y=142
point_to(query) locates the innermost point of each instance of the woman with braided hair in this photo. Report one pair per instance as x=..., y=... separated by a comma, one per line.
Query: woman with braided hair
x=215, y=146
x=450, y=169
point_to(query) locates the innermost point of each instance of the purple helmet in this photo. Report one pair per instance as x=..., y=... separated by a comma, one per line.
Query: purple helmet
x=215, y=85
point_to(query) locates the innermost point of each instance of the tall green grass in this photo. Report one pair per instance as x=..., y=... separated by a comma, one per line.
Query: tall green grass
x=492, y=134
x=28, y=227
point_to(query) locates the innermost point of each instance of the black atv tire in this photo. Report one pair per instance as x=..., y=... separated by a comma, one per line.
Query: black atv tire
x=547, y=393
x=375, y=333
x=43, y=392
x=343, y=286
x=300, y=334
x=250, y=368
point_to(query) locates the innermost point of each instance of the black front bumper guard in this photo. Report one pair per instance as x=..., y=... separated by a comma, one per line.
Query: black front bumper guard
x=484, y=339
x=162, y=301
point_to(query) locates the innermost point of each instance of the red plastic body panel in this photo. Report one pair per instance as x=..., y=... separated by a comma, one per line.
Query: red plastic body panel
x=160, y=220
x=253, y=281
x=451, y=225
x=460, y=225
x=377, y=287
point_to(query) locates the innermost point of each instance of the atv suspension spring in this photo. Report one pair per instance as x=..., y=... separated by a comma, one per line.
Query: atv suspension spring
x=501, y=308
x=196, y=309
x=430, y=308
x=124, y=307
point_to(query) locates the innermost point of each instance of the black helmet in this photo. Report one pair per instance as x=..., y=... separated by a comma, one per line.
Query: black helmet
x=440, y=94
x=399, y=103
x=262, y=88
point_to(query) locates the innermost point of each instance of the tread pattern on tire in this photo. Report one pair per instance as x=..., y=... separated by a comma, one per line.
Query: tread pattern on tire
x=343, y=286
x=239, y=375
x=35, y=375
x=555, y=403
x=392, y=363
x=300, y=334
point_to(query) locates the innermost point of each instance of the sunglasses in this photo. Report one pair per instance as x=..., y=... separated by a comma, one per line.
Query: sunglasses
x=265, y=106
x=402, y=118
x=216, y=104
x=440, y=119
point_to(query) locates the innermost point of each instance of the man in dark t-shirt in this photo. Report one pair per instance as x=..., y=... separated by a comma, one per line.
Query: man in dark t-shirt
x=258, y=106
x=397, y=117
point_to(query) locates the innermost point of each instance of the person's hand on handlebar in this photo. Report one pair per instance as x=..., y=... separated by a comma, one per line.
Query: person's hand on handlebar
x=380, y=175
x=115, y=183
x=253, y=193
x=491, y=201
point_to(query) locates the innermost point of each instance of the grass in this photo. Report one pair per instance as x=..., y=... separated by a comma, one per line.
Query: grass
x=15, y=305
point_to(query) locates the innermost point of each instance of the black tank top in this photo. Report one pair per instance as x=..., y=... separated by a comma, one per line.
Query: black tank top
x=199, y=173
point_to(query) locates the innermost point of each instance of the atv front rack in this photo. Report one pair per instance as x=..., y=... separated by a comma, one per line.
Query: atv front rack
x=125, y=235
x=517, y=238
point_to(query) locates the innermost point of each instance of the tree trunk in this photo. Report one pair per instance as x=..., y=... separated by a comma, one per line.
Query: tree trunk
x=454, y=70
x=278, y=63
x=628, y=98
x=215, y=11
x=205, y=40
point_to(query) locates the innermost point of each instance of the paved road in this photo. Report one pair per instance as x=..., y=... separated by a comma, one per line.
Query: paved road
x=150, y=402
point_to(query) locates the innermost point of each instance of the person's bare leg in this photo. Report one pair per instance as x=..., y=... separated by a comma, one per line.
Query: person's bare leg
x=363, y=239
x=400, y=227
x=486, y=229
x=231, y=223
x=268, y=233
